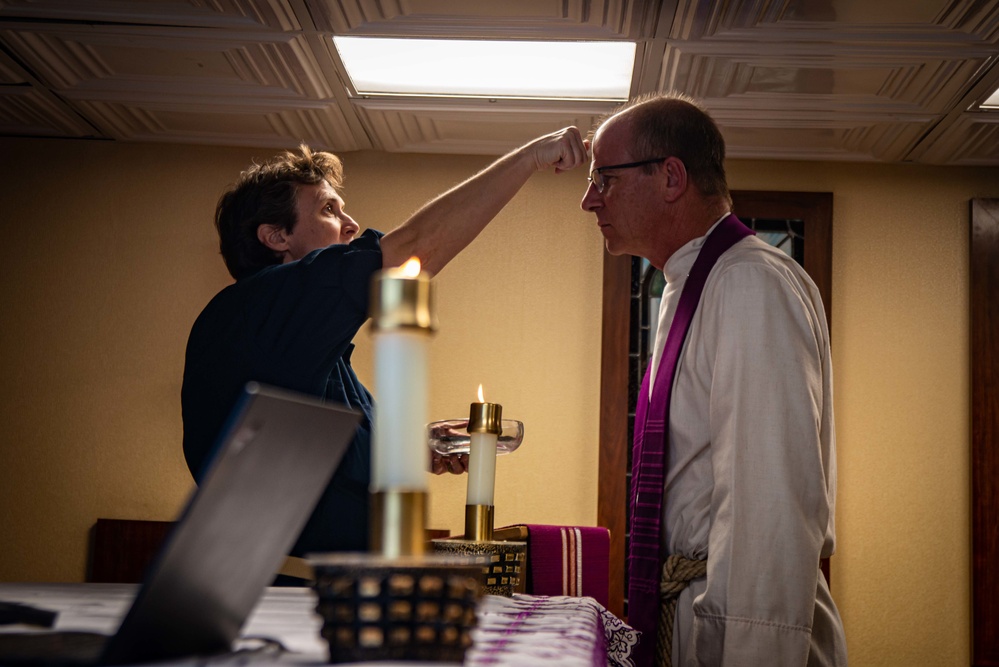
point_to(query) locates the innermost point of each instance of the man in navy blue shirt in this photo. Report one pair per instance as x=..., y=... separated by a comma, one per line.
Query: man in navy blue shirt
x=303, y=274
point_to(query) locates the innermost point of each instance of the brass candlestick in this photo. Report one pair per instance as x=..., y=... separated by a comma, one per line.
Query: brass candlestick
x=484, y=418
x=479, y=522
x=398, y=603
x=399, y=523
x=502, y=558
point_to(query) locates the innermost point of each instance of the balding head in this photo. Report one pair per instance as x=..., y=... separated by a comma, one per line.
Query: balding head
x=675, y=124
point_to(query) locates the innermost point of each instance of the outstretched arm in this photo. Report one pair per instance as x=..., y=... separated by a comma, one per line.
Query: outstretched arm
x=443, y=227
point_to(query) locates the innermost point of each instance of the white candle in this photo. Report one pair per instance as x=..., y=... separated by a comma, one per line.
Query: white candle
x=484, y=425
x=401, y=339
x=481, y=469
x=399, y=445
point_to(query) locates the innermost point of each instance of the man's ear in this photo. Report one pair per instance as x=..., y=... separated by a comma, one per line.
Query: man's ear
x=273, y=236
x=676, y=178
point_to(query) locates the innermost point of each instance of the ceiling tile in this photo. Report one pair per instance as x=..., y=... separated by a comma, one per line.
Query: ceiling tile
x=800, y=79
x=539, y=19
x=253, y=14
x=480, y=128
x=27, y=111
x=972, y=139
x=852, y=141
x=77, y=61
x=891, y=24
x=237, y=123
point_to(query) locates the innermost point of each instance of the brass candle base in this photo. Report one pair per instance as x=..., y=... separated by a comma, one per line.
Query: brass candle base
x=479, y=523
x=398, y=523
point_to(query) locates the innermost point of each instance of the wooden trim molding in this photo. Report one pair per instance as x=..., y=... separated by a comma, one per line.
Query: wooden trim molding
x=985, y=431
x=612, y=494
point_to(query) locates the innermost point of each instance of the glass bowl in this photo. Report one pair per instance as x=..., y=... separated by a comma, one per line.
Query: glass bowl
x=450, y=436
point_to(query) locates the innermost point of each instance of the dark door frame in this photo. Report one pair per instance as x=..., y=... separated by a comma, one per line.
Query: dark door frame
x=984, y=304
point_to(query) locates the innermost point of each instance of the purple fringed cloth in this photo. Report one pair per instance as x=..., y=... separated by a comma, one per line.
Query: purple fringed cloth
x=541, y=630
x=568, y=560
x=648, y=466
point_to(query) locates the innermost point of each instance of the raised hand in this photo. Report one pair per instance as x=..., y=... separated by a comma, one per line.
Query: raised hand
x=565, y=149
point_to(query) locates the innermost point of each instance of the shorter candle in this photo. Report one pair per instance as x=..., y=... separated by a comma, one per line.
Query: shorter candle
x=484, y=426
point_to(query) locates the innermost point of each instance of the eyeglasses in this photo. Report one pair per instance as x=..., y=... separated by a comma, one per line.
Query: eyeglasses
x=597, y=174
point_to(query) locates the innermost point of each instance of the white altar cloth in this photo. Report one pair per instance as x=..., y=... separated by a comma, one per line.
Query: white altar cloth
x=523, y=630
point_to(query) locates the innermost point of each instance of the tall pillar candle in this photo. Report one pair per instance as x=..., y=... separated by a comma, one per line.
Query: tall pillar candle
x=403, y=320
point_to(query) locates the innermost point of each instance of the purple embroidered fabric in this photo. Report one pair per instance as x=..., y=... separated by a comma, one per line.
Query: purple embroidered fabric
x=568, y=560
x=540, y=630
x=648, y=468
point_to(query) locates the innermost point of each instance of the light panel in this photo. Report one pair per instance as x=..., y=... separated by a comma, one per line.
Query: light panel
x=488, y=68
x=992, y=102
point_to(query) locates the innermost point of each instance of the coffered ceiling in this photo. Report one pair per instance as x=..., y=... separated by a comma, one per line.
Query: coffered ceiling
x=843, y=80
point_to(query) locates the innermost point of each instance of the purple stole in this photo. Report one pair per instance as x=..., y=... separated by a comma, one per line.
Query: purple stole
x=648, y=467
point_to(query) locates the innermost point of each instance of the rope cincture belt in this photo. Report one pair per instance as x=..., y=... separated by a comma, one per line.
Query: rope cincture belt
x=677, y=572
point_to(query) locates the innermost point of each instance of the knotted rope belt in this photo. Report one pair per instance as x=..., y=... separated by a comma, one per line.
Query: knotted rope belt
x=677, y=572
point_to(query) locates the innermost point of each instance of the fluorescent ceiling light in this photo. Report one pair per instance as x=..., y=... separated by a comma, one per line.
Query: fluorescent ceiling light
x=992, y=102
x=493, y=69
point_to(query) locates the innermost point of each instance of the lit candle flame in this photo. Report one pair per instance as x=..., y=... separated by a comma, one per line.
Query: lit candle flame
x=411, y=268
x=481, y=400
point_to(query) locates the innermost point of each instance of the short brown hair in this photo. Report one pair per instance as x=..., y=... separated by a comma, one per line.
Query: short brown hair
x=265, y=194
x=675, y=124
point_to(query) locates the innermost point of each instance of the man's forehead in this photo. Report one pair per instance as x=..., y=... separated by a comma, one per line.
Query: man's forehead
x=610, y=138
x=325, y=190
x=315, y=195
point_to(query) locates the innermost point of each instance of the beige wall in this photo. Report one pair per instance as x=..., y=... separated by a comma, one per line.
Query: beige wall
x=111, y=255
x=900, y=335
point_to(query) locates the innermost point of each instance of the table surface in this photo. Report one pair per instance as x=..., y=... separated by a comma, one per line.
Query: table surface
x=520, y=630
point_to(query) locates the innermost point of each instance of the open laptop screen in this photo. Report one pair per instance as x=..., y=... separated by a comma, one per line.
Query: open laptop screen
x=273, y=462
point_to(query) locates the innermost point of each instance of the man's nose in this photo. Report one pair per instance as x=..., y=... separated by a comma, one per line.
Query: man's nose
x=591, y=198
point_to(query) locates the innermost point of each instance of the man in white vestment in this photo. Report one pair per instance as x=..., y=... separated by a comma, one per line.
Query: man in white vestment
x=750, y=482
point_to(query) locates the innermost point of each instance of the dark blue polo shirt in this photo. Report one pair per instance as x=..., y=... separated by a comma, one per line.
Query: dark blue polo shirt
x=291, y=326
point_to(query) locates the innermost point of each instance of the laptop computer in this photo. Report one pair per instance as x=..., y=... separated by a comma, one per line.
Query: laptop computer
x=272, y=463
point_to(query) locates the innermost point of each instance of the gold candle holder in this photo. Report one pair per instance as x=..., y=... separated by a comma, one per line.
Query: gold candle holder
x=399, y=523
x=479, y=523
x=485, y=418
x=402, y=298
